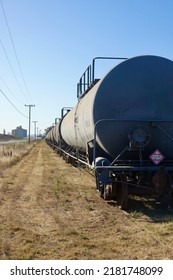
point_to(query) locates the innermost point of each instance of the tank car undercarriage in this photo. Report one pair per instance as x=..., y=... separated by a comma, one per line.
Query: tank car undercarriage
x=117, y=181
x=117, y=184
x=122, y=176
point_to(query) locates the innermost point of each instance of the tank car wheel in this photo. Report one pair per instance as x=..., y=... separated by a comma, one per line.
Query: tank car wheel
x=108, y=192
x=122, y=195
x=101, y=192
x=67, y=158
x=99, y=187
x=113, y=191
x=105, y=192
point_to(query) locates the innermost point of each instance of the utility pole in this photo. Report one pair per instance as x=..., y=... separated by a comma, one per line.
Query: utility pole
x=35, y=129
x=30, y=105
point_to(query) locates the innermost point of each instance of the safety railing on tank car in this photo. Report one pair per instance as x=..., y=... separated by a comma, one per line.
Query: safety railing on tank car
x=88, y=79
x=65, y=111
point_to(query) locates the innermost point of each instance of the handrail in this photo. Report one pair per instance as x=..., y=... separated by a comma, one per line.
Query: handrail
x=87, y=80
x=104, y=58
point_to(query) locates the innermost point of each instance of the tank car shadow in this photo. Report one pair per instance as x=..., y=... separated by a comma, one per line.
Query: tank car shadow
x=157, y=212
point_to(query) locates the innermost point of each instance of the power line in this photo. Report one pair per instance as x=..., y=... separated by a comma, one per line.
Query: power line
x=14, y=49
x=17, y=81
x=9, y=89
x=13, y=104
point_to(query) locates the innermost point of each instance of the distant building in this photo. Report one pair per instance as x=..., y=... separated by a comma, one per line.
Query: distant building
x=19, y=132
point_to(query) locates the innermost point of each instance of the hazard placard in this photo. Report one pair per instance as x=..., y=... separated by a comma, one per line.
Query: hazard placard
x=156, y=157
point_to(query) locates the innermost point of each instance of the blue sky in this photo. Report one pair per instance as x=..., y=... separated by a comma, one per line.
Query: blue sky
x=56, y=40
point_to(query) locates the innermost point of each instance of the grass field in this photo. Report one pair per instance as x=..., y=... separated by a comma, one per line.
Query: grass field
x=51, y=210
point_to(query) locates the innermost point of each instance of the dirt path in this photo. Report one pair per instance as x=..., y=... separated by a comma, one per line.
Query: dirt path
x=50, y=210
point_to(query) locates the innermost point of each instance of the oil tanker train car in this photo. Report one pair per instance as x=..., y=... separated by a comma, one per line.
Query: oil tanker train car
x=122, y=127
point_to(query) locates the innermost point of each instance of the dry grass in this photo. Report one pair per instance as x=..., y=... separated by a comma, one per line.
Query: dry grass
x=10, y=154
x=50, y=210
